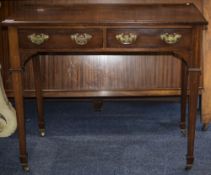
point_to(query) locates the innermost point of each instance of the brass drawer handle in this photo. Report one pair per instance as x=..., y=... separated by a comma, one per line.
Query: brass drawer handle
x=127, y=39
x=170, y=38
x=38, y=38
x=81, y=39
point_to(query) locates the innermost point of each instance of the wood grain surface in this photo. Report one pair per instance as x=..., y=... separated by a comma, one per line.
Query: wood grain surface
x=154, y=73
x=114, y=74
x=159, y=75
x=206, y=98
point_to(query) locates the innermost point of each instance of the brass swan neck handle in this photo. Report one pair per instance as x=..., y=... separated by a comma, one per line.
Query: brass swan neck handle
x=127, y=38
x=38, y=39
x=81, y=39
x=172, y=38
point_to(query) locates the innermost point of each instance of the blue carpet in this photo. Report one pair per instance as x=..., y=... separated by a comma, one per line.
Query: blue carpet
x=126, y=138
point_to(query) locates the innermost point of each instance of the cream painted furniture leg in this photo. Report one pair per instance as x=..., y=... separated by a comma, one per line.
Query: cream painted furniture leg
x=206, y=95
x=8, y=122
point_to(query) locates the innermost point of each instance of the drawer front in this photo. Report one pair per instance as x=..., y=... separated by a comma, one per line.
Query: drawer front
x=61, y=38
x=149, y=38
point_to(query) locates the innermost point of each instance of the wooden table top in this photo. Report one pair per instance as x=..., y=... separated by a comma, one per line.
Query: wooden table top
x=104, y=14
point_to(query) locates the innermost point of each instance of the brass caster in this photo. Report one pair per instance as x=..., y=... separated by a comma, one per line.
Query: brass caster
x=42, y=132
x=183, y=132
x=205, y=127
x=26, y=168
x=188, y=167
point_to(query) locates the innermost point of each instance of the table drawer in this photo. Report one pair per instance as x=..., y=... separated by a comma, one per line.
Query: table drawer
x=148, y=38
x=61, y=38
